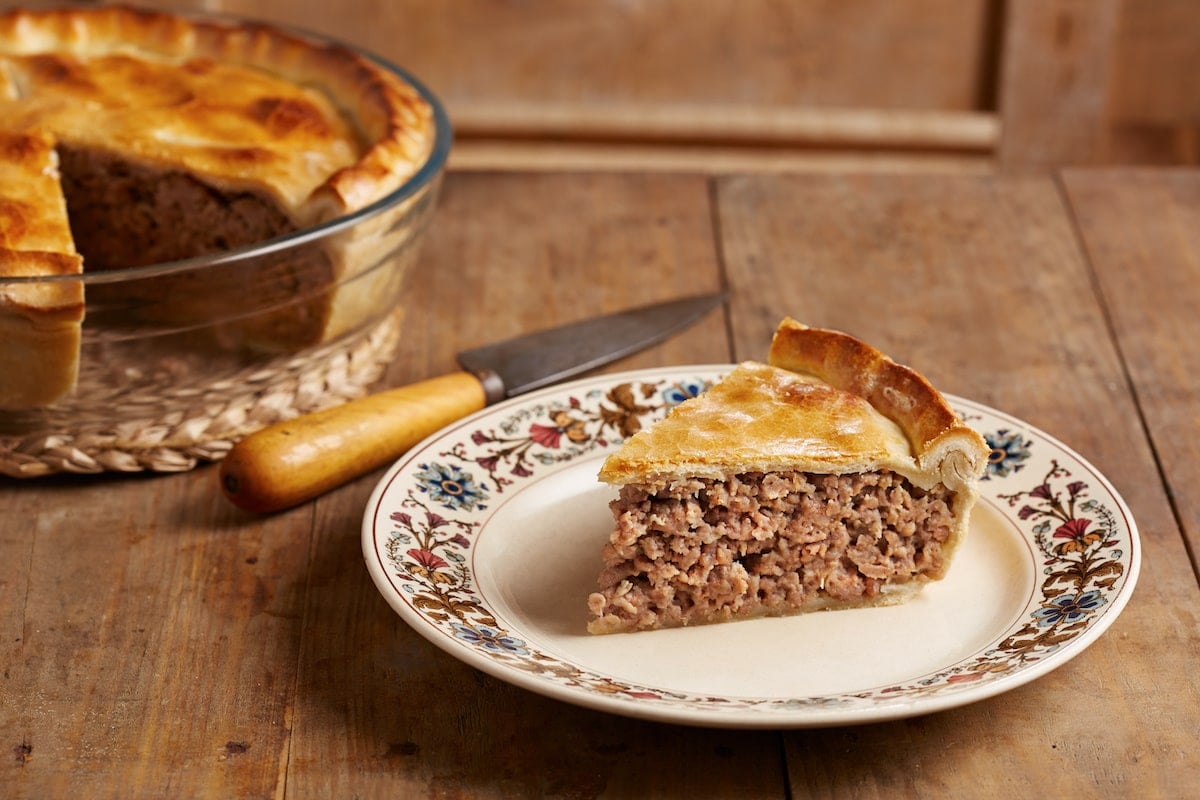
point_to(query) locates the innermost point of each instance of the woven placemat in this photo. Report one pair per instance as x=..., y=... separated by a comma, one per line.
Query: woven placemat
x=175, y=431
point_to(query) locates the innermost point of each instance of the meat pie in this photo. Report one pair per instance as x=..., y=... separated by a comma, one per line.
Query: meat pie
x=170, y=137
x=830, y=477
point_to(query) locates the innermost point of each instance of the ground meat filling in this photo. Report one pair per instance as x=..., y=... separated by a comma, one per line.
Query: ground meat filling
x=128, y=215
x=125, y=214
x=702, y=550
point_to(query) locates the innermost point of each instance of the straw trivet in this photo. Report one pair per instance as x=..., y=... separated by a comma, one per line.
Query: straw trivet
x=177, y=430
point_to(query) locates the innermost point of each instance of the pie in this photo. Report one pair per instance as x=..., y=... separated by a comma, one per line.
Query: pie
x=135, y=137
x=829, y=477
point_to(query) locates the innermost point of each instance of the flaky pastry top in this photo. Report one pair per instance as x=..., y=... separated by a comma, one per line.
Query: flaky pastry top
x=35, y=239
x=318, y=127
x=825, y=403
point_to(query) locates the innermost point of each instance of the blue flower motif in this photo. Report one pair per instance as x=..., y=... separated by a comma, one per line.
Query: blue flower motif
x=1068, y=608
x=490, y=639
x=676, y=393
x=451, y=486
x=1009, y=450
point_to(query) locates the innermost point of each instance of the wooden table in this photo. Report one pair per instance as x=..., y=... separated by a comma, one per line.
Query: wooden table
x=157, y=642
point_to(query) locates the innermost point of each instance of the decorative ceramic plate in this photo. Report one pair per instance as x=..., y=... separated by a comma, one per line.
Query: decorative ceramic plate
x=486, y=539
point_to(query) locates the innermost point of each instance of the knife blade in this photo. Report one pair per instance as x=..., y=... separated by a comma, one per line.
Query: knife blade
x=290, y=462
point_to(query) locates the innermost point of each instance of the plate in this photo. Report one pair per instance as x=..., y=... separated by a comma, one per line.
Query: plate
x=486, y=539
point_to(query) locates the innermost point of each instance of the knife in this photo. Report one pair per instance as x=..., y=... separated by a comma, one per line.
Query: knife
x=290, y=462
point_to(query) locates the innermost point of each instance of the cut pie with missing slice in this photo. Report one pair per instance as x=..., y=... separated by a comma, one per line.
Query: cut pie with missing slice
x=166, y=137
x=830, y=477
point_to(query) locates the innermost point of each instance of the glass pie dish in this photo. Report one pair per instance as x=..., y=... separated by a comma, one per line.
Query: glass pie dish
x=179, y=360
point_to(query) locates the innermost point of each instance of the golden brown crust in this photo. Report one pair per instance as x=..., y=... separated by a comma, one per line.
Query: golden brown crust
x=762, y=418
x=826, y=403
x=939, y=439
x=39, y=320
x=45, y=355
x=35, y=239
x=41, y=301
x=215, y=98
x=32, y=210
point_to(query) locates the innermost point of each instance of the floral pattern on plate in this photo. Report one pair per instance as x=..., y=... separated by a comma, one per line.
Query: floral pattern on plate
x=424, y=519
x=431, y=534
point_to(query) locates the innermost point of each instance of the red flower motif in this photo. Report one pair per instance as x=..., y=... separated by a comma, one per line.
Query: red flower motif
x=545, y=435
x=427, y=559
x=1072, y=528
x=1076, y=535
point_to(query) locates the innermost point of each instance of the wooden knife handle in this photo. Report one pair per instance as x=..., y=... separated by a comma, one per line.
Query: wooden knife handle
x=290, y=462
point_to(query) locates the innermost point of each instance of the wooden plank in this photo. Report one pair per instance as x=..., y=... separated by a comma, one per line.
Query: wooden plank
x=923, y=54
x=1136, y=224
x=538, y=155
x=681, y=123
x=1156, y=46
x=148, y=622
x=713, y=139
x=379, y=710
x=980, y=284
x=1154, y=112
x=1056, y=70
x=1154, y=144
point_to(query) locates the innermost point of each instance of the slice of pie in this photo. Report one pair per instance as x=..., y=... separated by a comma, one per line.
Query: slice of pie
x=830, y=477
x=178, y=137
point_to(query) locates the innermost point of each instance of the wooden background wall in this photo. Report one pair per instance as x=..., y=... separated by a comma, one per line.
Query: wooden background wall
x=788, y=84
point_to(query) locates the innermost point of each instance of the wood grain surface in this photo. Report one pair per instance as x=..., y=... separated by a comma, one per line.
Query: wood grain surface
x=157, y=642
x=621, y=53
x=1144, y=242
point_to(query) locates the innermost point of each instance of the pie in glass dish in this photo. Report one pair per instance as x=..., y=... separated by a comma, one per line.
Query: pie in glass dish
x=206, y=226
x=830, y=477
x=142, y=138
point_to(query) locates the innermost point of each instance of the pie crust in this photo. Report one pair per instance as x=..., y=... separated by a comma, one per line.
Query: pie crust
x=305, y=130
x=39, y=320
x=824, y=402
